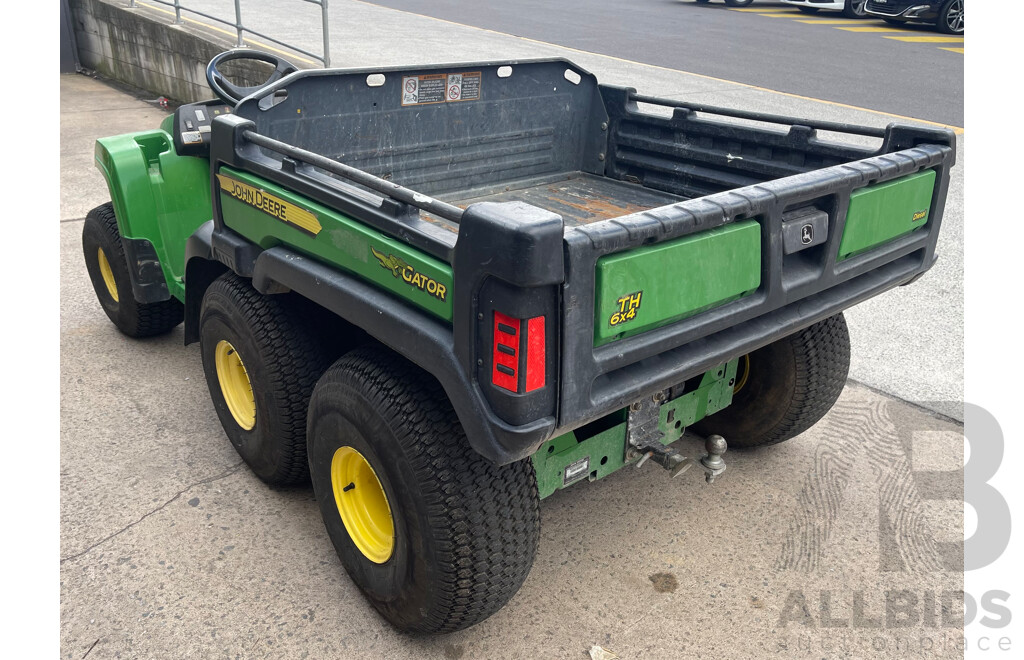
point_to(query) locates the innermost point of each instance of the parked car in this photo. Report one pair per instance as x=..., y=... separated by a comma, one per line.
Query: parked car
x=850, y=8
x=946, y=15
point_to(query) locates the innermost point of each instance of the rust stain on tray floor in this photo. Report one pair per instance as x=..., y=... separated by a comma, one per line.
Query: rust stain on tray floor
x=579, y=198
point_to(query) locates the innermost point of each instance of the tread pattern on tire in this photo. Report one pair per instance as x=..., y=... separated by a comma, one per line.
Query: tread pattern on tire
x=485, y=519
x=822, y=364
x=294, y=371
x=150, y=318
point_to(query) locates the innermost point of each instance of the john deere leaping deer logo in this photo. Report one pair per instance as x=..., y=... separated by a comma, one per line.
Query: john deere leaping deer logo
x=410, y=276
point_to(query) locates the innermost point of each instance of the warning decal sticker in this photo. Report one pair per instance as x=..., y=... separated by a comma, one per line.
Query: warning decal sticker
x=440, y=88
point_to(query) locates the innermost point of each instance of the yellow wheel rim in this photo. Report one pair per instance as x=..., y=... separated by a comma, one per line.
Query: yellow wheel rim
x=108, y=275
x=235, y=384
x=363, y=505
x=743, y=373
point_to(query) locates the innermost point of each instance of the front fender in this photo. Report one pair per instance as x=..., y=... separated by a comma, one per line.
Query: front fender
x=159, y=198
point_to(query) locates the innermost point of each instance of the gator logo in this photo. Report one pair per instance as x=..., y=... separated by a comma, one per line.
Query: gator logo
x=920, y=215
x=400, y=268
x=391, y=262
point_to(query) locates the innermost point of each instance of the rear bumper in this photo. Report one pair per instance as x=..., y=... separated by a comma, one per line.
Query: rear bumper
x=794, y=293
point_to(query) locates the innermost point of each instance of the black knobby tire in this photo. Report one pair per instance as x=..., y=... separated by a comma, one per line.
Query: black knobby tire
x=789, y=385
x=283, y=360
x=465, y=530
x=133, y=318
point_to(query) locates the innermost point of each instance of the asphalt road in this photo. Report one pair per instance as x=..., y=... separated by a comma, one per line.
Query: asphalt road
x=778, y=50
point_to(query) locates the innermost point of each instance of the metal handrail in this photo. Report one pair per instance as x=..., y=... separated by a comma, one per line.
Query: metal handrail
x=240, y=29
x=389, y=188
x=760, y=116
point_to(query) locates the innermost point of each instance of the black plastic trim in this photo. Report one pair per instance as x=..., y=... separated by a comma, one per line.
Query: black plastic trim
x=148, y=282
x=509, y=258
x=411, y=333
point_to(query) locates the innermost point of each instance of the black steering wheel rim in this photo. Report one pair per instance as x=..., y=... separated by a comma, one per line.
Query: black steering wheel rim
x=231, y=93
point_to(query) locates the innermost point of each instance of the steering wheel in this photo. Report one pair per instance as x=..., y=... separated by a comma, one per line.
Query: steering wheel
x=232, y=94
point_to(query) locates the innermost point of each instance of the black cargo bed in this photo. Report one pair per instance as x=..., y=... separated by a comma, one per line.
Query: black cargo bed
x=578, y=197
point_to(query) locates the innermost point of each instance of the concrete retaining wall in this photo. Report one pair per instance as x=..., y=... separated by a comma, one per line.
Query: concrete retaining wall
x=144, y=49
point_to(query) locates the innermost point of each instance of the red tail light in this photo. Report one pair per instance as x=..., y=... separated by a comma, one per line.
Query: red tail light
x=513, y=353
x=535, y=366
x=506, y=352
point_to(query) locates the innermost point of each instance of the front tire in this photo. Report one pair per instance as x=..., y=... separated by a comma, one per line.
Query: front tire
x=855, y=9
x=108, y=271
x=456, y=535
x=786, y=387
x=951, y=17
x=261, y=364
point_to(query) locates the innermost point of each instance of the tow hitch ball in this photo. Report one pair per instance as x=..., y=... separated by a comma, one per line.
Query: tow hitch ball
x=677, y=464
x=712, y=462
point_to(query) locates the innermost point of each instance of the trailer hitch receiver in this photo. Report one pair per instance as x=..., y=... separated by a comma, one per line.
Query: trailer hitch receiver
x=644, y=442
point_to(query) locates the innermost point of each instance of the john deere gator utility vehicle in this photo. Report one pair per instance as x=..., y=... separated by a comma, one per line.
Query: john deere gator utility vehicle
x=444, y=292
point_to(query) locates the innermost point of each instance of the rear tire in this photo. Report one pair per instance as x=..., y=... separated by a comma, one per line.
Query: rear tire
x=261, y=364
x=460, y=533
x=738, y=3
x=108, y=270
x=786, y=387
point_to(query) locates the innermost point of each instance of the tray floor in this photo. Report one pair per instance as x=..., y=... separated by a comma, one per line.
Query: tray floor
x=578, y=197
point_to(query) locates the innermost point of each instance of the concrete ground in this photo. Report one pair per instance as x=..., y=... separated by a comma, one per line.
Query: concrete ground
x=840, y=543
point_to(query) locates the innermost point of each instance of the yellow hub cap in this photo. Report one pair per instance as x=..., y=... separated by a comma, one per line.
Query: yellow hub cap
x=363, y=505
x=743, y=373
x=108, y=275
x=235, y=384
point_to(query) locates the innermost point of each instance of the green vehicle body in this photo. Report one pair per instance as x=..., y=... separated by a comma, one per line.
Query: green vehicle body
x=161, y=199
x=158, y=195
x=442, y=294
x=167, y=198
